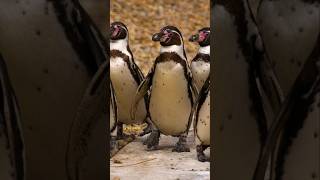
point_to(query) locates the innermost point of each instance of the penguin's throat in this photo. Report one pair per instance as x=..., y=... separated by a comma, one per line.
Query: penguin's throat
x=173, y=49
x=204, y=50
x=120, y=44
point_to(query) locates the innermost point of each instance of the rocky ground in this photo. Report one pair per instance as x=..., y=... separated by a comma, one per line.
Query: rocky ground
x=133, y=162
x=146, y=17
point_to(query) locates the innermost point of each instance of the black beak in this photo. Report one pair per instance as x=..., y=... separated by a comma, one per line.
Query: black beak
x=194, y=38
x=156, y=37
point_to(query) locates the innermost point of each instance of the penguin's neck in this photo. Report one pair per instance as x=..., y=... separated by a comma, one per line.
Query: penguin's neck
x=204, y=50
x=174, y=48
x=121, y=45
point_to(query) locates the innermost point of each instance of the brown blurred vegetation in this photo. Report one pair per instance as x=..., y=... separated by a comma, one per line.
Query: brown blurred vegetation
x=145, y=17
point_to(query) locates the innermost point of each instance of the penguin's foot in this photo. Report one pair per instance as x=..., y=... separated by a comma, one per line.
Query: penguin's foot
x=181, y=145
x=201, y=156
x=152, y=141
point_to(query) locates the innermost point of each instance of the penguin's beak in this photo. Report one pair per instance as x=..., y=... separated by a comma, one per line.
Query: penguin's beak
x=156, y=37
x=194, y=38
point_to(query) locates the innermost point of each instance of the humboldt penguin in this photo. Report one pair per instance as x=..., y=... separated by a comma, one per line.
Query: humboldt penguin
x=171, y=90
x=125, y=76
x=201, y=120
x=200, y=64
x=295, y=58
x=239, y=124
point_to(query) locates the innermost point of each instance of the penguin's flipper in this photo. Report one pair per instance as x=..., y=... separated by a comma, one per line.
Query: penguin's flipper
x=295, y=107
x=181, y=145
x=113, y=109
x=192, y=86
x=200, y=100
x=138, y=70
x=82, y=31
x=11, y=138
x=141, y=92
x=84, y=149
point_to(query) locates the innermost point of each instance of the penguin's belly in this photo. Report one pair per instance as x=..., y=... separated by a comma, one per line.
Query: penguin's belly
x=235, y=128
x=200, y=72
x=304, y=148
x=170, y=105
x=125, y=88
x=49, y=78
x=203, y=124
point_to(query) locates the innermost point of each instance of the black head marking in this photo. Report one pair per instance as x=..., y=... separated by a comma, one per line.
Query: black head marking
x=118, y=31
x=168, y=36
x=202, y=37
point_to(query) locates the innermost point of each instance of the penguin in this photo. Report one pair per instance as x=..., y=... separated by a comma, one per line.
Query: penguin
x=201, y=120
x=12, y=155
x=200, y=64
x=125, y=76
x=239, y=123
x=171, y=90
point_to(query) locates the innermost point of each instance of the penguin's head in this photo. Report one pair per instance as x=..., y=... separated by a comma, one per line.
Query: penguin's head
x=202, y=37
x=168, y=36
x=118, y=31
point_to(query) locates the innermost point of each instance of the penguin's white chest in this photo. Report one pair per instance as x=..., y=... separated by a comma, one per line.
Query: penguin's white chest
x=125, y=88
x=170, y=105
x=200, y=72
x=203, y=123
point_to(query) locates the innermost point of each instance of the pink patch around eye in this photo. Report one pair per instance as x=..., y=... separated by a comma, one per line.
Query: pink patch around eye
x=202, y=36
x=115, y=32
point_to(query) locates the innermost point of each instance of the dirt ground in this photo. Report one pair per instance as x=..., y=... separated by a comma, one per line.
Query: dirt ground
x=133, y=162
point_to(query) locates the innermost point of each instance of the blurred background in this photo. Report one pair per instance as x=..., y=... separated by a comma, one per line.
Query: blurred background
x=146, y=17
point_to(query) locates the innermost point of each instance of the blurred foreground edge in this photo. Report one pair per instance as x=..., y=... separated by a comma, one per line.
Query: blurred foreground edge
x=57, y=65
x=266, y=79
